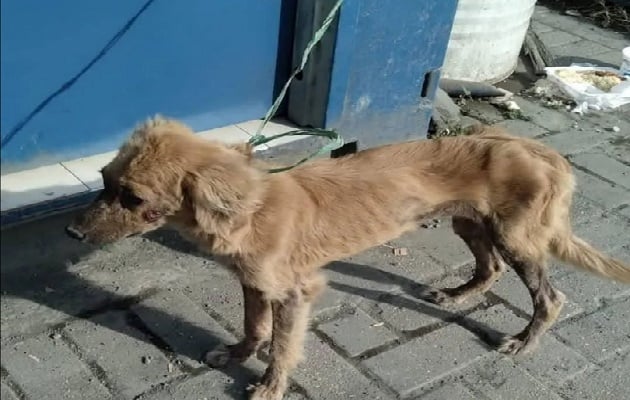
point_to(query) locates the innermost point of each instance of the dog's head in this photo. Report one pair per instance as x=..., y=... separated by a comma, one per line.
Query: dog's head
x=162, y=172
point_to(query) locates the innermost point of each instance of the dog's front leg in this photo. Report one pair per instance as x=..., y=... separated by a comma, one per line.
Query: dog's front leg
x=290, y=320
x=257, y=325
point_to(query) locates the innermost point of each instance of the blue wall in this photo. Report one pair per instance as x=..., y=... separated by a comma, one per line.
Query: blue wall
x=386, y=52
x=209, y=63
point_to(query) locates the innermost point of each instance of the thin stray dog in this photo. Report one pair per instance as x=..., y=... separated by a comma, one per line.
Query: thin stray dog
x=509, y=198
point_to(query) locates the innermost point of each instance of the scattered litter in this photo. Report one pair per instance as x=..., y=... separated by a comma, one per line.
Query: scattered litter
x=573, y=13
x=554, y=103
x=511, y=110
x=32, y=357
x=429, y=225
x=511, y=105
x=400, y=251
x=146, y=359
x=169, y=367
x=377, y=324
x=550, y=95
x=504, y=100
x=615, y=129
x=540, y=90
x=55, y=336
x=49, y=290
x=591, y=87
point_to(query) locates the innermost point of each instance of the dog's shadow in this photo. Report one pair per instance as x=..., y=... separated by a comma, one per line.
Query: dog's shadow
x=34, y=265
x=415, y=299
x=416, y=292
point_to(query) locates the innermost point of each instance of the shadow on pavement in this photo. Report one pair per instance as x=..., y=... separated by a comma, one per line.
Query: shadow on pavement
x=35, y=259
x=488, y=336
x=36, y=256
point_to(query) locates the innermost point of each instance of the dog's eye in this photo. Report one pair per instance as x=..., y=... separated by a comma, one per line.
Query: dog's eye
x=128, y=199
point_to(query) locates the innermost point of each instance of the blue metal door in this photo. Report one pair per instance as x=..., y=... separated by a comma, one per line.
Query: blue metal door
x=66, y=93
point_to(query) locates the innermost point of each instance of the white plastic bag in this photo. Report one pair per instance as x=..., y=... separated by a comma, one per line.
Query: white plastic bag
x=586, y=95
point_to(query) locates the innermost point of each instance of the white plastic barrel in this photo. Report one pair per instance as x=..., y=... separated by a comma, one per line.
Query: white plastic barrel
x=486, y=39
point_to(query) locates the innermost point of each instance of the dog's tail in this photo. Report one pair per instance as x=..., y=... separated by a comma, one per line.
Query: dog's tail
x=576, y=251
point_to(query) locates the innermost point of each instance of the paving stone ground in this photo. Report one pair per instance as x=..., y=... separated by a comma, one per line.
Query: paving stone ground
x=131, y=320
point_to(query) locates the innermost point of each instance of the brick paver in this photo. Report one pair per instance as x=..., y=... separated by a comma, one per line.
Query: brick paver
x=574, y=141
x=500, y=379
x=357, y=333
x=608, y=382
x=130, y=362
x=424, y=361
x=449, y=391
x=45, y=368
x=604, y=166
x=325, y=375
x=553, y=363
x=182, y=324
x=601, y=334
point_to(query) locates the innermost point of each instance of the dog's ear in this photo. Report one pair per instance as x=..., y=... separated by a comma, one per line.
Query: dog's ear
x=219, y=191
x=244, y=148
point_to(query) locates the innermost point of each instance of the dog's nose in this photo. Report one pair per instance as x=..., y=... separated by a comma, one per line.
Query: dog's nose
x=74, y=233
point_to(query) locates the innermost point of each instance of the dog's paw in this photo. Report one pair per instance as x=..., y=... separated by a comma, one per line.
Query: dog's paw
x=218, y=357
x=515, y=346
x=265, y=392
x=437, y=296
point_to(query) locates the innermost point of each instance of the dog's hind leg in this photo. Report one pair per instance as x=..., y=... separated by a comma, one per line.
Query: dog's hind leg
x=290, y=320
x=257, y=326
x=547, y=302
x=488, y=266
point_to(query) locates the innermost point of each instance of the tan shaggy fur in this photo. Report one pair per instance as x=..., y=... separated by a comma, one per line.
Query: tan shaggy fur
x=509, y=197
